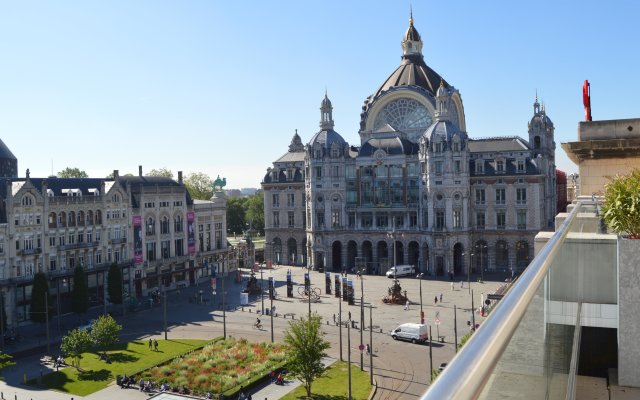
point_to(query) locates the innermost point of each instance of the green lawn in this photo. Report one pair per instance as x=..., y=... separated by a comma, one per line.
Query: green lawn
x=125, y=359
x=334, y=385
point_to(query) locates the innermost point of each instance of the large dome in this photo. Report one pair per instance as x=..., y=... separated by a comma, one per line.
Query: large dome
x=412, y=72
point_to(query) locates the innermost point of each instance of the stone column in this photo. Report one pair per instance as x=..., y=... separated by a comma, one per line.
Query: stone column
x=628, y=312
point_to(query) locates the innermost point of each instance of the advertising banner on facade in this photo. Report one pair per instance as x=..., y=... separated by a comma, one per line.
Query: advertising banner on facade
x=137, y=239
x=191, y=235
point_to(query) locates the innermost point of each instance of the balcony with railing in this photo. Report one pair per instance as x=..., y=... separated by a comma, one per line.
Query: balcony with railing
x=530, y=345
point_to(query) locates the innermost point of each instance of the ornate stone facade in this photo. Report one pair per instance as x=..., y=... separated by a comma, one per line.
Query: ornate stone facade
x=417, y=190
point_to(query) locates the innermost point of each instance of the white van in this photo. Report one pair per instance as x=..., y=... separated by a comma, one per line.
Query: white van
x=415, y=333
x=401, y=270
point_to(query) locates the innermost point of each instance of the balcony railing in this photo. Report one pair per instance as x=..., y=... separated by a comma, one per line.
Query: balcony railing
x=523, y=346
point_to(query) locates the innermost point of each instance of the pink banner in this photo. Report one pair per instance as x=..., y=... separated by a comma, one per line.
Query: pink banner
x=137, y=240
x=191, y=235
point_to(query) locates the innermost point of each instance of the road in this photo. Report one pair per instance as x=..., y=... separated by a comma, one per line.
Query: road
x=401, y=369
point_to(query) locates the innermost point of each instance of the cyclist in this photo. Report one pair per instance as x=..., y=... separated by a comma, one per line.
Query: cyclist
x=258, y=325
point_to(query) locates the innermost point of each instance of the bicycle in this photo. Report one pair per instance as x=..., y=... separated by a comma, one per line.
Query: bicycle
x=257, y=326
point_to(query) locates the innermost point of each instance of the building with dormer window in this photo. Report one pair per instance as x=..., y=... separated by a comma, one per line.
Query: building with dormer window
x=416, y=189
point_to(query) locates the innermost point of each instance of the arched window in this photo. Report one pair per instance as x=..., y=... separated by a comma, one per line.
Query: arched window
x=72, y=218
x=151, y=226
x=164, y=225
x=27, y=200
x=177, y=223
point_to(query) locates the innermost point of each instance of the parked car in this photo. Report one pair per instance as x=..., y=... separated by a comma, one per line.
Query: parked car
x=414, y=333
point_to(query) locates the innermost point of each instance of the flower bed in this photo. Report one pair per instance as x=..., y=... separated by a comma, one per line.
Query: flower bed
x=219, y=366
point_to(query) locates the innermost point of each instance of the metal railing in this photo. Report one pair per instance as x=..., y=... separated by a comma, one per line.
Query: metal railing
x=466, y=376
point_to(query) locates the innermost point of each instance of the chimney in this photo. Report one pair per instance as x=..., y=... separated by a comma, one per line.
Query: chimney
x=180, y=177
x=140, y=170
x=116, y=174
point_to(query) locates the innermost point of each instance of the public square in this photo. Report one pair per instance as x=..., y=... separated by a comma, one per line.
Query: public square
x=400, y=368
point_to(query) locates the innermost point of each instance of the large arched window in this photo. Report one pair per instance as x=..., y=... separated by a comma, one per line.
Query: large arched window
x=406, y=115
x=502, y=254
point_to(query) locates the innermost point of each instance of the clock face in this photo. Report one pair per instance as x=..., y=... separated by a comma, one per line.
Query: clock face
x=379, y=156
x=406, y=115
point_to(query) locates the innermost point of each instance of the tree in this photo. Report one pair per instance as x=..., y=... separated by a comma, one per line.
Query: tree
x=199, y=185
x=75, y=343
x=161, y=172
x=306, y=349
x=80, y=293
x=235, y=215
x=39, y=295
x=104, y=332
x=114, y=284
x=5, y=361
x=72, y=173
x=254, y=211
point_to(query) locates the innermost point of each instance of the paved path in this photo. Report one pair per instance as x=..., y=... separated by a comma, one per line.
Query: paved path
x=400, y=368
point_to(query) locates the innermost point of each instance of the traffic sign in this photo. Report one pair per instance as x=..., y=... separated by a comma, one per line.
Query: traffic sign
x=361, y=347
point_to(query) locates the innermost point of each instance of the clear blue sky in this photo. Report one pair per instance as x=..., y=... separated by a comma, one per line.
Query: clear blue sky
x=220, y=86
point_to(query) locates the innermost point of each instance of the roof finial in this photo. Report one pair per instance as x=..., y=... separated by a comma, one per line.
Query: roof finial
x=410, y=15
x=536, y=95
x=441, y=82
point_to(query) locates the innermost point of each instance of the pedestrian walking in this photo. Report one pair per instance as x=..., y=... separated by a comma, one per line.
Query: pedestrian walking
x=436, y=299
x=440, y=297
x=451, y=285
x=334, y=319
x=406, y=305
x=155, y=345
x=461, y=284
x=368, y=349
x=150, y=343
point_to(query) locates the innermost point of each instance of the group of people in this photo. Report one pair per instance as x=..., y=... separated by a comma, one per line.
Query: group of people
x=153, y=344
x=277, y=379
x=124, y=381
x=58, y=362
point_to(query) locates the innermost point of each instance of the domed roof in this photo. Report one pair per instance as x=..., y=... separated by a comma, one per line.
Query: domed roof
x=412, y=72
x=326, y=138
x=392, y=145
x=5, y=153
x=412, y=33
x=443, y=130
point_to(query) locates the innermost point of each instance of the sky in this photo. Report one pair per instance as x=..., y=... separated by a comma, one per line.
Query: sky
x=221, y=86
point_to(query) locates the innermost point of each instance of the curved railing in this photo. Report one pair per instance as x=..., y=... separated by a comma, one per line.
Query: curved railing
x=470, y=371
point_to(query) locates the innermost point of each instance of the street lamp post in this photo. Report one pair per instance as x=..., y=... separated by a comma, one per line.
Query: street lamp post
x=271, y=313
x=340, y=325
x=261, y=289
x=164, y=300
x=349, y=355
x=469, y=273
x=393, y=234
x=421, y=311
x=361, y=318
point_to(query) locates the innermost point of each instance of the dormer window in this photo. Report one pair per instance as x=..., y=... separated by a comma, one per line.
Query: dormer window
x=520, y=166
x=480, y=166
x=335, y=151
x=456, y=146
x=500, y=166
x=438, y=147
x=27, y=200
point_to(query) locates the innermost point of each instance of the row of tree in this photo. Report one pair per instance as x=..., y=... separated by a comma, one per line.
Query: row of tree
x=243, y=213
x=79, y=292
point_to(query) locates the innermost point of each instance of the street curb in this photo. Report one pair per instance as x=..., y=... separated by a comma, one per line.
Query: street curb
x=374, y=390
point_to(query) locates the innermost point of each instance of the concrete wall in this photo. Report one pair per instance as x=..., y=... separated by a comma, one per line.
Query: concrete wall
x=629, y=313
x=609, y=129
x=594, y=172
x=584, y=269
